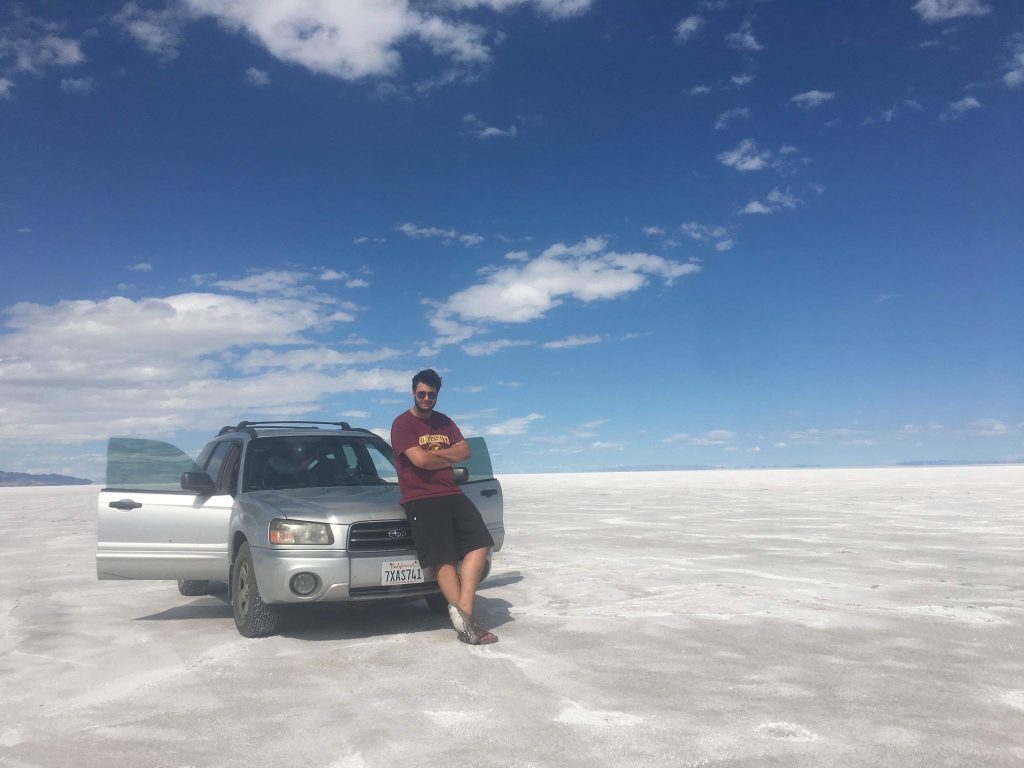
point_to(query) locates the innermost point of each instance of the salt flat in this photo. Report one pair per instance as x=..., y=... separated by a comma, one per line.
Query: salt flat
x=726, y=618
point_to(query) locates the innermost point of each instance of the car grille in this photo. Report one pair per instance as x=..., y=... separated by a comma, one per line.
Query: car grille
x=380, y=536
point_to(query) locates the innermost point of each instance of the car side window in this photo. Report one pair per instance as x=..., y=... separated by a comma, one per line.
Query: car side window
x=216, y=462
x=228, y=482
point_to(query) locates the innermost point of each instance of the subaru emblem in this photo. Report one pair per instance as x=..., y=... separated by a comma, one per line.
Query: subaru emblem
x=396, y=534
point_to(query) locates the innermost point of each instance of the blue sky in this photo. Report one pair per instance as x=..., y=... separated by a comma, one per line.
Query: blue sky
x=627, y=234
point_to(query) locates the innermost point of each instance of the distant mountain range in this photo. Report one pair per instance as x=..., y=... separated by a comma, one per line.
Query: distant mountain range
x=23, y=479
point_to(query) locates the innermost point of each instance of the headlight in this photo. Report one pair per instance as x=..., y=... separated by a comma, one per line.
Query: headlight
x=294, y=532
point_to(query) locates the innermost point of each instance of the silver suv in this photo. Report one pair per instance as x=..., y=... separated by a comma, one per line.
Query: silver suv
x=286, y=512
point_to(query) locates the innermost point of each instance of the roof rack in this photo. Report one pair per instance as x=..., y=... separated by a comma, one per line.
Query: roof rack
x=248, y=426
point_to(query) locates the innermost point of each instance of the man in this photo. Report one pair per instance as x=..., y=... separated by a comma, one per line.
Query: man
x=446, y=525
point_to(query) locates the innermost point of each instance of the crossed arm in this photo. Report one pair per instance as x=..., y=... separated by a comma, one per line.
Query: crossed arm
x=438, y=459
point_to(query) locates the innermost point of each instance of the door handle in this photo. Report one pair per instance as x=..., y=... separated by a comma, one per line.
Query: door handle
x=125, y=504
x=489, y=492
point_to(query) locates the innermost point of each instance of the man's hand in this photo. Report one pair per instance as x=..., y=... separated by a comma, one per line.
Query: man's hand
x=439, y=459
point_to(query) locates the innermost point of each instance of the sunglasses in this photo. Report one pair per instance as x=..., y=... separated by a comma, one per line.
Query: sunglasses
x=426, y=395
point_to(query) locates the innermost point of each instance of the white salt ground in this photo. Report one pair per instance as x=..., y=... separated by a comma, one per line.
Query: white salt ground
x=761, y=618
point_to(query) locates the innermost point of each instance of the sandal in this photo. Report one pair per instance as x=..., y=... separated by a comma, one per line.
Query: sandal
x=468, y=630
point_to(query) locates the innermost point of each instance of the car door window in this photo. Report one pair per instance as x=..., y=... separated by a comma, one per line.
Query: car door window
x=145, y=465
x=479, y=463
x=228, y=480
x=215, y=463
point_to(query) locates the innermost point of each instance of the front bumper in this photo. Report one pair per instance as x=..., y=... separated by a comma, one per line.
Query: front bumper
x=343, y=576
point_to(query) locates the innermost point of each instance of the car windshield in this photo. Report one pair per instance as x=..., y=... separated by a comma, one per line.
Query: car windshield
x=316, y=461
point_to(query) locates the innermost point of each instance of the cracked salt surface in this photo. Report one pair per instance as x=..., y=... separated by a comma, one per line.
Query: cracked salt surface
x=798, y=618
x=786, y=731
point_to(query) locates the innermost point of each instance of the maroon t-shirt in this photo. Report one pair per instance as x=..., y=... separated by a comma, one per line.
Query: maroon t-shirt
x=430, y=434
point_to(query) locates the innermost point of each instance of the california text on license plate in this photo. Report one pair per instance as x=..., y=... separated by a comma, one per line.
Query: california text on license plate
x=401, y=572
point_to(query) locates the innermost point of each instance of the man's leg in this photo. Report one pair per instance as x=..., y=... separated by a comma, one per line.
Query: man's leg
x=449, y=582
x=469, y=577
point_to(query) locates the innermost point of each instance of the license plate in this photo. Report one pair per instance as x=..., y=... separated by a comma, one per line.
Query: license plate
x=400, y=572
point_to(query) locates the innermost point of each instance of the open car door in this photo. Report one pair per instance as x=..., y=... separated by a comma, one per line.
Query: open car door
x=149, y=528
x=483, y=489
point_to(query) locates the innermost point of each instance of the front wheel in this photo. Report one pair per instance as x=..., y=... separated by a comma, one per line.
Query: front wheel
x=253, y=617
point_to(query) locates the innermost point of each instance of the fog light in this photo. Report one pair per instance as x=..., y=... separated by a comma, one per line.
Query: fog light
x=304, y=584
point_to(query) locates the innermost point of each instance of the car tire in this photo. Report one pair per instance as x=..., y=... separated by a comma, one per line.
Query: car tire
x=253, y=617
x=192, y=587
x=437, y=603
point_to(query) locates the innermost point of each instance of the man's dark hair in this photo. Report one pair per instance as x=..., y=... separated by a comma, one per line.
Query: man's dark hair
x=429, y=377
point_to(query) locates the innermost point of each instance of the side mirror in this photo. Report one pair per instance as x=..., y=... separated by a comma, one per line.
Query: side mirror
x=200, y=482
x=461, y=474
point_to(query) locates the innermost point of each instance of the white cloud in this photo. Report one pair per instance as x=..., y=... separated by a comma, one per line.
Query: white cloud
x=811, y=99
x=82, y=370
x=912, y=430
x=714, y=437
x=257, y=77
x=1014, y=76
x=526, y=291
x=574, y=340
x=782, y=199
x=351, y=40
x=707, y=234
x=485, y=348
x=688, y=28
x=157, y=31
x=987, y=428
x=729, y=115
x=890, y=114
x=357, y=282
x=5, y=88
x=776, y=201
x=654, y=231
x=267, y=281
x=816, y=436
x=743, y=39
x=516, y=426
x=959, y=108
x=355, y=414
x=77, y=85
x=477, y=128
x=700, y=90
x=309, y=358
x=37, y=54
x=446, y=236
x=746, y=157
x=742, y=80
x=755, y=207
x=934, y=11
x=556, y=9
x=142, y=266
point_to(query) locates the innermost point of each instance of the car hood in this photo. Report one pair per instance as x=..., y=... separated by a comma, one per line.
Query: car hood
x=342, y=505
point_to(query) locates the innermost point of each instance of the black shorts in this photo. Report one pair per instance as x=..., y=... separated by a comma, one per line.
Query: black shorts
x=446, y=528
